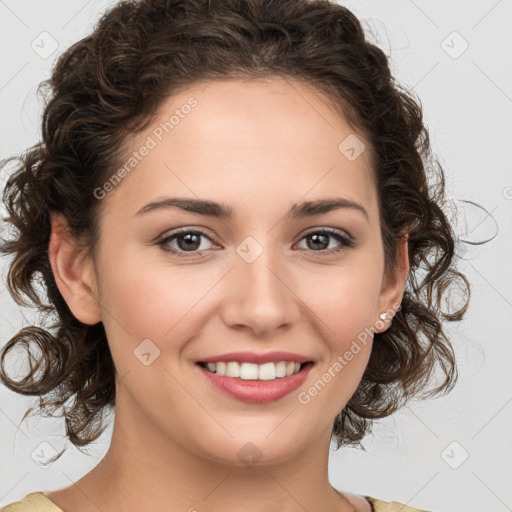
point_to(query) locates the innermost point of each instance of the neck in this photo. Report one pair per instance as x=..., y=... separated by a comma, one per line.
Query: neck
x=144, y=465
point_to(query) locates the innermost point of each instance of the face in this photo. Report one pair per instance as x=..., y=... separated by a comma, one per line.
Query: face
x=177, y=287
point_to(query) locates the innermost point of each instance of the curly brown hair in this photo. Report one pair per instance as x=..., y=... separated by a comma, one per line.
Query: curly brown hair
x=109, y=85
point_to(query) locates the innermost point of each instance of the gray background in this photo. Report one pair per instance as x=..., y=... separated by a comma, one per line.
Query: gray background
x=418, y=456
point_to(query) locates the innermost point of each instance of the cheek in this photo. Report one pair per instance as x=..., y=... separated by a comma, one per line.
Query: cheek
x=344, y=311
x=345, y=318
x=345, y=302
x=145, y=299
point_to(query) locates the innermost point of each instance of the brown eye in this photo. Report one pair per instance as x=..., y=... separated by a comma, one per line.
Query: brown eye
x=319, y=241
x=187, y=241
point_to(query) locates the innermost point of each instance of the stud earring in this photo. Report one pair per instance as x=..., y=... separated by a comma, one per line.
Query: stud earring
x=383, y=316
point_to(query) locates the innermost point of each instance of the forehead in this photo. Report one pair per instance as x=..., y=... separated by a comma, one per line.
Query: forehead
x=240, y=139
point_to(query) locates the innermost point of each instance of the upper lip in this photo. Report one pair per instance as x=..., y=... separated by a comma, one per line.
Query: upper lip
x=253, y=357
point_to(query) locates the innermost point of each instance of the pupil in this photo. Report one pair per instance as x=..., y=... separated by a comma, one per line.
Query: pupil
x=187, y=238
x=315, y=238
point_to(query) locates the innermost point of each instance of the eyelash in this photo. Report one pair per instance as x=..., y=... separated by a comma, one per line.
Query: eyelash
x=346, y=241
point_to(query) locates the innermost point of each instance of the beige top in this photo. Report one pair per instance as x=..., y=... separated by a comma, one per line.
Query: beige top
x=38, y=502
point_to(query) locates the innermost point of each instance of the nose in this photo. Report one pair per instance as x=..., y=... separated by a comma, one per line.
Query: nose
x=260, y=296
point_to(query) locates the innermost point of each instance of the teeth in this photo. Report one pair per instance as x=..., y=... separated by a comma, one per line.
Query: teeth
x=251, y=371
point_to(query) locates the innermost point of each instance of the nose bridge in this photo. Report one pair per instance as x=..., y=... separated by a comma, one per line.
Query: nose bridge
x=259, y=268
x=261, y=297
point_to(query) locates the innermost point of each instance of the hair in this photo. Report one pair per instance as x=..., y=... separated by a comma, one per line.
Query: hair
x=109, y=85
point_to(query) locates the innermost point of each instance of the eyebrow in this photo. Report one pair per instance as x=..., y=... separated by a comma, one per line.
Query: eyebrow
x=223, y=211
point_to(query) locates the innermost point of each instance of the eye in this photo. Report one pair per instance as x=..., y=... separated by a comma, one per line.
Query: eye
x=320, y=240
x=188, y=241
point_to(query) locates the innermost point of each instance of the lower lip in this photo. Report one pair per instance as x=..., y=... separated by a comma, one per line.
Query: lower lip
x=256, y=391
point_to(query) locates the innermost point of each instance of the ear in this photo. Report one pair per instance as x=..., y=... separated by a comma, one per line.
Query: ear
x=392, y=288
x=74, y=273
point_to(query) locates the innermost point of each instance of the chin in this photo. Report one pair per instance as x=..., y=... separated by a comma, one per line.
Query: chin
x=260, y=450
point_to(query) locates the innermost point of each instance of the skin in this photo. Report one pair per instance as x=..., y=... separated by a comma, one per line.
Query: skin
x=259, y=146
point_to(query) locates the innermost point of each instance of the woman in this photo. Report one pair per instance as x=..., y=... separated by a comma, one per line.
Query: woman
x=230, y=212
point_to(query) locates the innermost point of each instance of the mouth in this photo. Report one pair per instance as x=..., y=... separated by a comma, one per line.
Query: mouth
x=253, y=383
x=255, y=372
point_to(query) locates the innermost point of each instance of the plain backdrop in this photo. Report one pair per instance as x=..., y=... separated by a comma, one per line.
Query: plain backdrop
x=450, y=454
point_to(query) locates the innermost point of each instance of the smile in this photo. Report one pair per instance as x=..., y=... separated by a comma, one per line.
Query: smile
x=252, y=371
x=252, y=386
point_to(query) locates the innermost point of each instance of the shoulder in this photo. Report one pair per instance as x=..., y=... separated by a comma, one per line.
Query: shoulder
x=362, y=503
x=33, y=502
x=390, y=506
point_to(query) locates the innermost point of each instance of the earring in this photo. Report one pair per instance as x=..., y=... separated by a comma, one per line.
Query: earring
x=383, y=316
